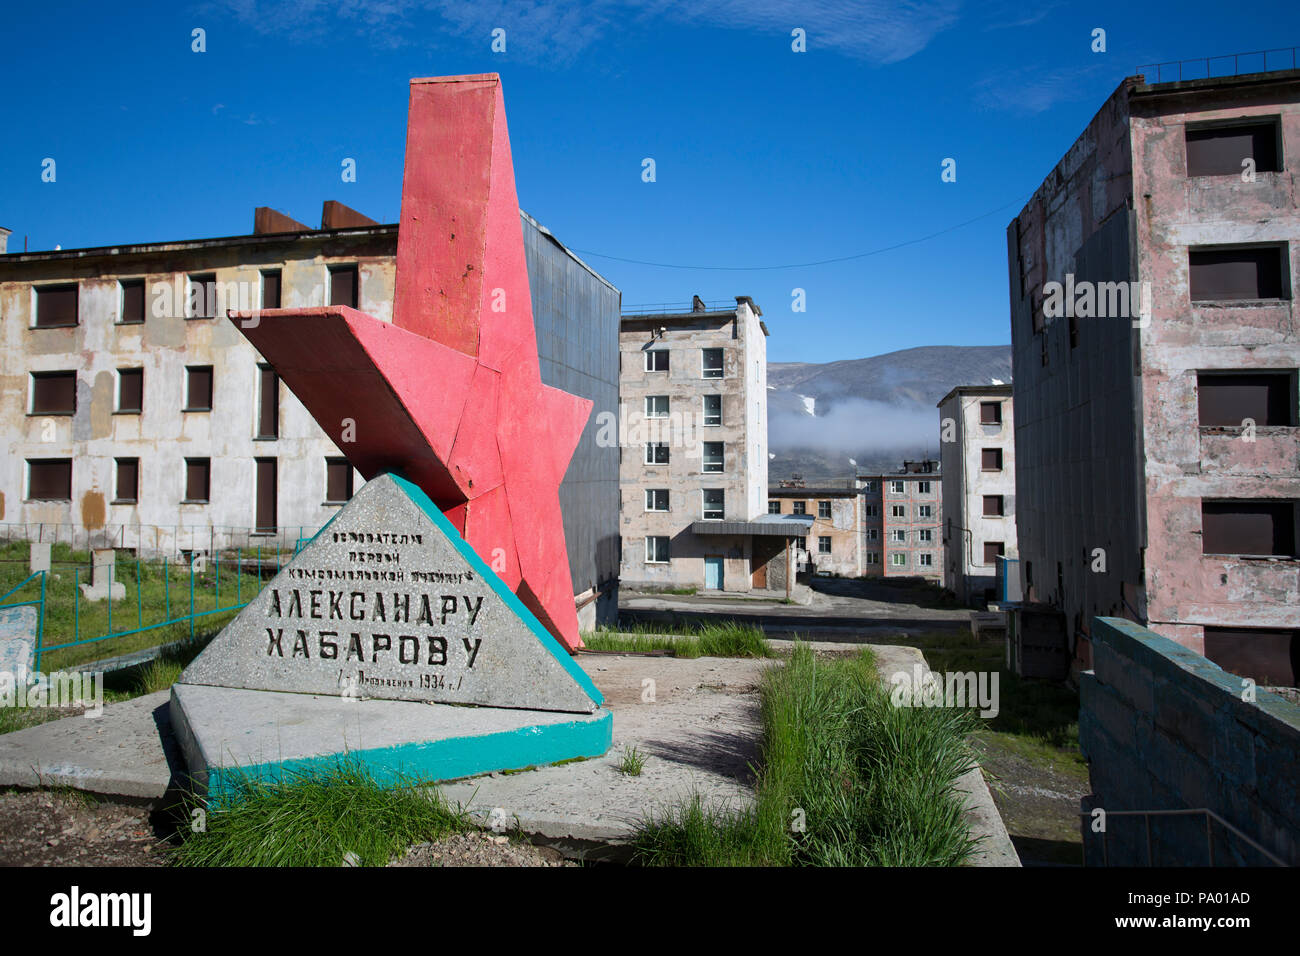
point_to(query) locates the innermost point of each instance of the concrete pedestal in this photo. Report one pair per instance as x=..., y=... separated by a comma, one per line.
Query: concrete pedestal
x=227, y=733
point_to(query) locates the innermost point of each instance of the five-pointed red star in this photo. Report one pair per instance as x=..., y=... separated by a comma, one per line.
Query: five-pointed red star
x=450, y=393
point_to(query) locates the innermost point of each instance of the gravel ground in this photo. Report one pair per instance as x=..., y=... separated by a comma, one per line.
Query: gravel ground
x=54, y=828
x=57, y=828
x=480, y=849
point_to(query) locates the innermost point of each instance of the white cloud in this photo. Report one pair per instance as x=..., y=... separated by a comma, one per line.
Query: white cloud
x=857, y=426
x=871, y=30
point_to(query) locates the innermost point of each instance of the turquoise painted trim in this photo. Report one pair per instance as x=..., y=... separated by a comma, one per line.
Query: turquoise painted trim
x=439, y=760
x=425, y=504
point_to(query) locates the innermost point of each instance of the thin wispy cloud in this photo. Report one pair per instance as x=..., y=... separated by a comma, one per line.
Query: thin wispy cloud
x=552, y=31
x=1030, y=91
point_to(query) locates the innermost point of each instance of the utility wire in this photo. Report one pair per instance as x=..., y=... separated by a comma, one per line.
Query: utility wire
x=801, y=265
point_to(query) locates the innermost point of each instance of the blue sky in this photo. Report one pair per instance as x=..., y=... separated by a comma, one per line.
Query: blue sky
x=764, y=158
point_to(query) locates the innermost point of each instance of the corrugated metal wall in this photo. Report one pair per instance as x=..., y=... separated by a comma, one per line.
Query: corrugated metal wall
x=576, y=315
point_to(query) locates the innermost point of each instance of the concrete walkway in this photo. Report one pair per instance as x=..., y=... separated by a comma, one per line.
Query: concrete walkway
x=840, y=609
x=696, y=722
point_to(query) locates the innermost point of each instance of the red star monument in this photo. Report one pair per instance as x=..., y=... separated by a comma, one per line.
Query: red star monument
x=449, y=394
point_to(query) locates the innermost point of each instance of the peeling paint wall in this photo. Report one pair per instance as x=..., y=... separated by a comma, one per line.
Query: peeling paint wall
x=1187, y=590
x=1112, y=464
x=843, y=528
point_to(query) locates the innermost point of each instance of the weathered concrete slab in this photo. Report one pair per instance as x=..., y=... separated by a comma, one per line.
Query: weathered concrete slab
x=227, y=732
x=128, y=751
x=700, y=733
x=17, y=643
x=388, y=601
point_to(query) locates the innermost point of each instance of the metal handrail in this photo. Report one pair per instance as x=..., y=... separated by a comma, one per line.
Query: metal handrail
x=1210, y=818
x=1207, y=60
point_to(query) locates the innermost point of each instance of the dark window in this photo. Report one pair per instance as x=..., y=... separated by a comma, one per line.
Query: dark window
x=132, y=301
x=266, y=497
x=1220, y=150
x=774, y=507
x=130, y=389
x=197, y=474
x=338, y=480
x=992, y=551
x=1226, y=274
x=656, y=453
x=1271, y=658
x=54, y=393
x=128, y=480
x=991, y=459
x=712, y=362
x=656, y=360
x=1248, y=527
x=713, y=459
x=1228, y=399
x=990, y=413
x=800, y=507
x=823, y=509
x=343, y=286
x=992, y=506
x=268, y=409
x=271, y=289
x=198, y=388
x=203, y=297
x=49, y=479
x=56, y=306
x=823, y=544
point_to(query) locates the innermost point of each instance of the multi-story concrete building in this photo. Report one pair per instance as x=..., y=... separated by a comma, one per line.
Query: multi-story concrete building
x=978, y=463
x=137, y=416
x=833, y=543
x=1153, y=323
x=692, y=432
x=901, y=520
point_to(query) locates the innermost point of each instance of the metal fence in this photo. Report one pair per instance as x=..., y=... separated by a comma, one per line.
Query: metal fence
x=158, y=541
x=1204, y=68
x=1211, y=818
x=179, y=593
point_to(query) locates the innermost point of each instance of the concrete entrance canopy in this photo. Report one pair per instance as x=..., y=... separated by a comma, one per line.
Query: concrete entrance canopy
x=788, y=526
x=449, y=394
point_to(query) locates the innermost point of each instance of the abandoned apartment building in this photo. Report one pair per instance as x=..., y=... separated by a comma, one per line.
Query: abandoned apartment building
x=977, y=438
x=693, y=444
x=833, y=543
x=140, y=418
x=1158, y=470
x=901, y=521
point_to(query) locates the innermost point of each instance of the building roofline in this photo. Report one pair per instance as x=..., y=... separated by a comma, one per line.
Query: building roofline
x=251, y=239
x=1141, y=88
x=188, y=245
x=570, y=253
x=812, y=492
x=975, y=390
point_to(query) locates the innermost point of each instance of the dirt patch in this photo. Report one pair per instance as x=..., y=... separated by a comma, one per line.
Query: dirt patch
x=53, y=828
x=1038, y=800
x=481, y=849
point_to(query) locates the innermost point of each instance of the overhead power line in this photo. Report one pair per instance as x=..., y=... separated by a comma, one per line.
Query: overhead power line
x=802, y=265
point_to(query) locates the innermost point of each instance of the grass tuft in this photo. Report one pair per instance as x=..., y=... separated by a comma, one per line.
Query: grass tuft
x=633, y=762
x=315, y=818
x=847, y=780
x=714, y=639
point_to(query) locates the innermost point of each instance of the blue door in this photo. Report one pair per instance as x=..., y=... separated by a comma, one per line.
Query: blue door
x=713, y=573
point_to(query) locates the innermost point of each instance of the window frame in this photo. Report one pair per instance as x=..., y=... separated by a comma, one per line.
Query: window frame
x=667, y=558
